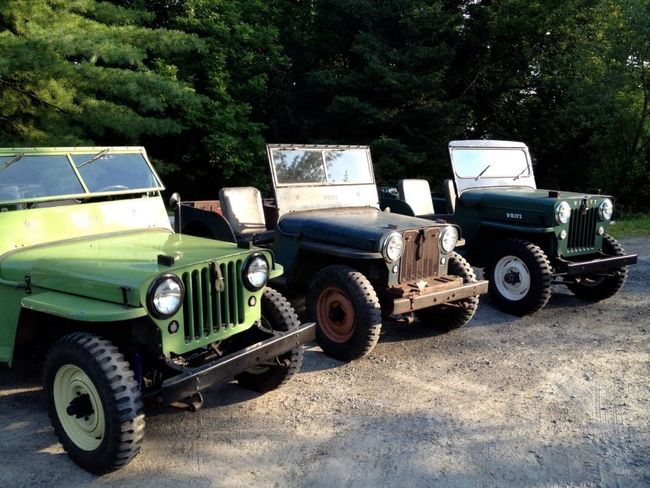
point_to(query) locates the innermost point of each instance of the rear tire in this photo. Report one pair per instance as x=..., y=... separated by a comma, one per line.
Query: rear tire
x=595, y=288
x=345, y=307
x=520, y=277
x=277, y=315
x=455, y=314
x=94, y=402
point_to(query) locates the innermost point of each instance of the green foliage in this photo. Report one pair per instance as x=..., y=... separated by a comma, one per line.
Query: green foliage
x=371, y=73
x=568, y=78
x=631, y=225
x=83, y=72
x=240, y=49
x=205, y=83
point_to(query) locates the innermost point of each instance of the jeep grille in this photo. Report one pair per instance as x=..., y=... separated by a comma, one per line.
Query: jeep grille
x=421, y=255
x=207, y=311
x=582, y=229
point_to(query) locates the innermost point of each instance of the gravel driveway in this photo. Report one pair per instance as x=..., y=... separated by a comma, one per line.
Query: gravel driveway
x=561, y=398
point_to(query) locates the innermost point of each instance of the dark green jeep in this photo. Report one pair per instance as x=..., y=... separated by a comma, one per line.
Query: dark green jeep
x=121, y=308
x=355, y=262
x=526, y=238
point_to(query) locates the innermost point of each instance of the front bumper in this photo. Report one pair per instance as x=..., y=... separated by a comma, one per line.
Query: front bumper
x=193, y=380
x=426, y=298
x=598, y=265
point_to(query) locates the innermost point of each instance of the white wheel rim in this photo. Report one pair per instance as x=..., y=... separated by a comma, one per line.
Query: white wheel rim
x=512, y=278
x=87, y=432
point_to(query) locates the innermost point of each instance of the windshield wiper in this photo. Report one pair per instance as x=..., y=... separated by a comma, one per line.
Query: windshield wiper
x=93, y=159
x=482, y=172
x=13, y=160
x=520, y=173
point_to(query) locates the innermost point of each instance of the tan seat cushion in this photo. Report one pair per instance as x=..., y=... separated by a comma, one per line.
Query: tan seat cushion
x=242, y=207
x=417, y=194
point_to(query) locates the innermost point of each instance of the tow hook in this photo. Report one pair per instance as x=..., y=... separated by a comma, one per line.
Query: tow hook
x=192, y=403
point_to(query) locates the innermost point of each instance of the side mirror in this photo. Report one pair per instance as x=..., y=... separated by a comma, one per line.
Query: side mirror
x=174, y=200
x=175, y=205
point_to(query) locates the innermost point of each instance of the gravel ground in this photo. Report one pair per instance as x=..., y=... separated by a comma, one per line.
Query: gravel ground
x=561, y=398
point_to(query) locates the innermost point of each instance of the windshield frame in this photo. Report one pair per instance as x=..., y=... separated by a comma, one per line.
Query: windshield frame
x=297, y=197
x=69, y=152
x=323, y=150
x=526, y=179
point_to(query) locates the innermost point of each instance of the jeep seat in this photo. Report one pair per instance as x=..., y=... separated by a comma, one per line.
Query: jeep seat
x=242, y=207
x=417, y=194
x=450, y=194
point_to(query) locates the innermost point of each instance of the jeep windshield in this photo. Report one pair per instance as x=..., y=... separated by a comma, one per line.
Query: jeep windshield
x=320, y=177
x=490, y=164
x=321, y=166
x=33, y=175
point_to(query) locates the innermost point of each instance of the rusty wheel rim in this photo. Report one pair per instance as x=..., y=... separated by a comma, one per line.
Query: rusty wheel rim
x=335, y=314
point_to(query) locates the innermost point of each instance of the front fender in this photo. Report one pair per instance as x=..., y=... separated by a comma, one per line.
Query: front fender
x=79, y=308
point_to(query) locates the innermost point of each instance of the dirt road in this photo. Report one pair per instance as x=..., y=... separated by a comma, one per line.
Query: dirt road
x=561, y=398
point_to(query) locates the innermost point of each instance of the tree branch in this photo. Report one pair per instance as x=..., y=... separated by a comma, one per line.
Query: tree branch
x=15, y=86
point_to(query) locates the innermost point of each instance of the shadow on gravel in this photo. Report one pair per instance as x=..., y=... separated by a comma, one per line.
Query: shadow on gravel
x=317, y=360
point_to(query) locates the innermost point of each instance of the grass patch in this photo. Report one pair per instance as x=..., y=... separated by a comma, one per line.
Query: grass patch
x=631, y=225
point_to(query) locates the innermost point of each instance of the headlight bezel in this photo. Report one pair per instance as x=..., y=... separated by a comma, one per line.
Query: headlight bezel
x=443, y=234
x=563, y=212
x=151, y=292
x=385, y=248
x=245, y=270
x=607, y=202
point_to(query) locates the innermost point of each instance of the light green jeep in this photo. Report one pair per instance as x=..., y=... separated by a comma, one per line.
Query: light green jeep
x=94, y=280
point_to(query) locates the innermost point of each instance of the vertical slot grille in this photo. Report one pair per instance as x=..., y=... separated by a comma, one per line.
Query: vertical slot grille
x=421, y=255
x=207, y=311
x=582, y=229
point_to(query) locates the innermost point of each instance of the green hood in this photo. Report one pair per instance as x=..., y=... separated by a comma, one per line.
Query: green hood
x=360, y=227
x=101, y=266
x=535, y=207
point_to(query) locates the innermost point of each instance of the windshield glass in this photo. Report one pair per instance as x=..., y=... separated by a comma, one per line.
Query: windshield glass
x=298, y=167
x=114, y=172
x=483, y=163
x=33, y=176
x=321, y=166
x=23, y=177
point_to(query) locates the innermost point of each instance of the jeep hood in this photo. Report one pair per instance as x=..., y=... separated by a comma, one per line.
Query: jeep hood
x=513, y=197
x=524, y=205
x=101, y=266
x=357, y=227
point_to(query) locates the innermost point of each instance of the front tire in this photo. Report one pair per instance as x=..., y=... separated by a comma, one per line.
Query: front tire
x=455, y=314
x=94, y=402
x=520, y=277
x=595, y=288
x=277, y=316
x=345, y=307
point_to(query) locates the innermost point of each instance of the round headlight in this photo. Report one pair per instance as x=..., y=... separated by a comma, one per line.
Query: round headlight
x=606, y=209
x=448, y=238
x=255, y=272
x=393, y=247
x=165, y=296
x=562, y=213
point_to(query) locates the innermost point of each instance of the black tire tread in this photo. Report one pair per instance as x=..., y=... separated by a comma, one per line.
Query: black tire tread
x=125, y=408
x=362, y=293
x=278, y=309
x=611, y=285
x=540, y=295
x=446, y=318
